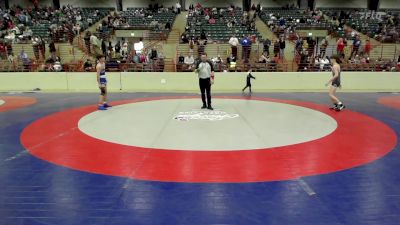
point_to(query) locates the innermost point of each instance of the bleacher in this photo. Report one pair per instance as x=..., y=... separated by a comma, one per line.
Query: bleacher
x=135, y=21
x=42, y=29
x=219, y=32
x=294, y=19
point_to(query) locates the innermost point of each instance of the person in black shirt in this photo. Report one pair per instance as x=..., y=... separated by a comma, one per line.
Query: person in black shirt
x=248, y=81
x=88, y=66
x=181, y=59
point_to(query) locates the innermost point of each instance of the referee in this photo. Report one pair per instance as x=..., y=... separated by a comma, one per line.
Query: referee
x=205, y=71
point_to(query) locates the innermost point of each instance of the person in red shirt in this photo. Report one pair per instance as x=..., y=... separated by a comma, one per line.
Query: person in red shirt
x=340, y=46
x=367, y=47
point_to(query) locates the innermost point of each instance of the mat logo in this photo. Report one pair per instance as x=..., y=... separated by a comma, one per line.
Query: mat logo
x=204, y=115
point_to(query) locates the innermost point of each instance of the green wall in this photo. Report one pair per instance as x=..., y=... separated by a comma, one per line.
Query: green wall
x=188, y=82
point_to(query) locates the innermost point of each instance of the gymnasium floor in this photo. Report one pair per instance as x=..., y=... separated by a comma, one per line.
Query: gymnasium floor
x=153, y=159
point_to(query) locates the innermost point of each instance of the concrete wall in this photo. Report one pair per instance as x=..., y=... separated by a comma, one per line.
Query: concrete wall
x=187, y=82
x=389, y=4
x=341, y=4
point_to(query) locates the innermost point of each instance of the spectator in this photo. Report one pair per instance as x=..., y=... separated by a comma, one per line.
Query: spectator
x=189, y=61
x=24, y=58
x=264, y=58
x=282, y=46
x=246, y=48
x=324, y=63
x=178, y=7
x=211, y=20
x=324, y=45
x=200, y=47
x=139, y=46
x=367, y=47
x=103, y=47
x=203, y=36
x=276, y=47
x=94, y=40
x=87, y=42
x=153, y=54
x=88, y=66
x=3, y=51
x=118, y=48
x=181, y=58
x=275, y=59
x=266, y=44
x=231, y=58
x=168, y=26
x=192, y=42
x=340, y=46
x=27, y=34
x=42, y=48
x=356, y=46
x=234, y=42
x=57, y=66
x=124, y=49
x=52, y=49
x=110, y=51
x=184, y=38
x=10, y=58
x=35, y=44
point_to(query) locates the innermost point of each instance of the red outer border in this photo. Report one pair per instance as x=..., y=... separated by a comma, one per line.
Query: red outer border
x=358, y=140
x=15, y=102
x=390, y=101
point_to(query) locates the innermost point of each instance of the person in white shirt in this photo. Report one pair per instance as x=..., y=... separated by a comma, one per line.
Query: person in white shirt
x=205, y=72
x=234, y=42
x=189, y=60
x=139, y=46
x=124, y=49
x=178, y=7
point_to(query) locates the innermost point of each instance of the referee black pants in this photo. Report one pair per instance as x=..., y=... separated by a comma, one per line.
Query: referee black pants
x=205, y=88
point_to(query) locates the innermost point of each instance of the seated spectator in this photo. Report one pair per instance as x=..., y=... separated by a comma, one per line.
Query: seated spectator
x=264, y=58
x=189, y=60
x=153, y=54
x=94, y=41
x=24, y=57
x=88, y=66
x=324, y=63
x=184, y=38
x=168, y=26
x=181, y=58
x=10, y=37
x=275, y=59
x=231, y=59
x=57, y=66
x=203, y=36
x=211, y=20
x=27, y=34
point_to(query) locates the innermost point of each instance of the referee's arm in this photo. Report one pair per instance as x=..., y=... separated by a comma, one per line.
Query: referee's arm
x=212, y=69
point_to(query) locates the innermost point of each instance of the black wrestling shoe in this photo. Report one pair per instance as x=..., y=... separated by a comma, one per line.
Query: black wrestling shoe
x=334, y=107
x=204, y=107
x=340, y=107
x=210, y=108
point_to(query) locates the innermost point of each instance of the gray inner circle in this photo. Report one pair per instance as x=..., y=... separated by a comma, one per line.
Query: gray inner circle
x=258, y=124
